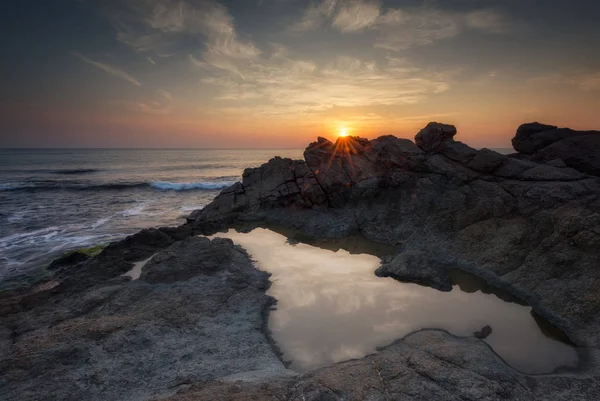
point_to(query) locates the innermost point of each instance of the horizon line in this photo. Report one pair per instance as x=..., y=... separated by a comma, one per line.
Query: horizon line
x=135, y=148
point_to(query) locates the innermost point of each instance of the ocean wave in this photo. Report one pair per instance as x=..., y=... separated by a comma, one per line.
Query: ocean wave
x=61, y=185
x=100, y=222
x=186, y=186
x=13, y=186
x=75, y=171
x=19, y=216
x=185, y=209
x=196, y=167
x=115, y=185
x=134, y=211
x=77, y=186
x=14, y=240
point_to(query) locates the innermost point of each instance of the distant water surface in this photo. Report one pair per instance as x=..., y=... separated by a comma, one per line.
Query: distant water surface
x=55, y=200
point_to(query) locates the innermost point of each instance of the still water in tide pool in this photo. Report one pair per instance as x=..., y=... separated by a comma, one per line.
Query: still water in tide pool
x=331, y=308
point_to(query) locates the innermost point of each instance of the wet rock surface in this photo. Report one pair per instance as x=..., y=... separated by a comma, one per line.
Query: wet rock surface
x=195, y=314
x=193, y=326
x=426, y=365
x=415, y=266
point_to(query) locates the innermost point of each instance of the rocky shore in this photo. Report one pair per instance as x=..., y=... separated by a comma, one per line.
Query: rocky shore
x=193, y=326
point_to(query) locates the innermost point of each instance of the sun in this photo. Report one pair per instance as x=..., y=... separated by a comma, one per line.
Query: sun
x=343, y=132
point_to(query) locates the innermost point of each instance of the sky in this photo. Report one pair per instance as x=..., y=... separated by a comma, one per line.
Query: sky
x=279, y=73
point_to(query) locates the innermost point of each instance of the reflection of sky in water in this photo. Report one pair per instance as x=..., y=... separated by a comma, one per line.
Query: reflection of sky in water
x=331, y=307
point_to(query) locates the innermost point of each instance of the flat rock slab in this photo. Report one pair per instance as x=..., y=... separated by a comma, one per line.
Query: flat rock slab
x=196, y=314
x=426, y=365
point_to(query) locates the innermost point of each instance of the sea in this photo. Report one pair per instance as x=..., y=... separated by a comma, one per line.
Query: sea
x=56, y=200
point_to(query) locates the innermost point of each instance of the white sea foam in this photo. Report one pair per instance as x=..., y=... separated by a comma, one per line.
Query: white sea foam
x=70, y=242
x=11, y=186
x=16, y=217
x=13, y=239
x=134, y=211
x=185, y=186
x=100, y=222
x=160, y=185
x=189, y=208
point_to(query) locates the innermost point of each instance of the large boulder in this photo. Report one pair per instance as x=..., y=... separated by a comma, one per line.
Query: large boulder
x=417, y=267
x=70, y=259
x=533, y=137
x=432, y=138
x=486, y=161
x=579, y=152
x=459, y=152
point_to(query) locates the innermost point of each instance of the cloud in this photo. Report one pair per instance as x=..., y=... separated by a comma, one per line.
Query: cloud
x=345, y=15
x=400, y=29
x=586, y=80
x=161, y=26
x=160, y=105
x=316, y=15
x=241, y=77
x=110, y=69
x=281, y=86
x=141, y=42
x=486, y=20
x=165, y=94
x=355, y=16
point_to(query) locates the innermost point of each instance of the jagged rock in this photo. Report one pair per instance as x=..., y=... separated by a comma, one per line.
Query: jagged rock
x=550, y=173
x=547, y=143
x=70, y=259
x=459, y=152
x=140, y=245
x=390, y=152
x=513, y=168
x=417, y=267
x=203, y=256
x=281, y=182
x=483, y=333
x=476, y=207
x=434, y=135
x=556, y=163
x=533, y=137
x=486, y=160
x=438, y=164
x=579, y=152
x=426, y=365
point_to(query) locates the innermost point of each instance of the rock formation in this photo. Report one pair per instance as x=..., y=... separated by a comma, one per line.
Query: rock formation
x=547, y=143
x=196, y=314
x=517, y=222
x=193, y=327
x=484, y=332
